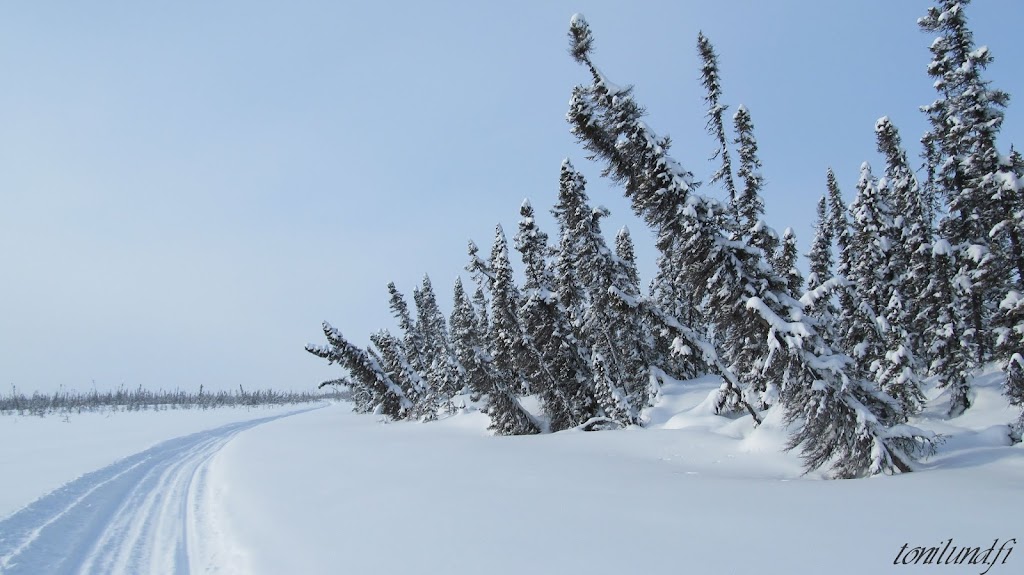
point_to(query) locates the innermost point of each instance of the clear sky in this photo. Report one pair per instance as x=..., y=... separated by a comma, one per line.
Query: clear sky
x=187, y=189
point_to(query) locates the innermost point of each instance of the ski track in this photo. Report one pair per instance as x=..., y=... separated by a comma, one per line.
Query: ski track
x=140, y=514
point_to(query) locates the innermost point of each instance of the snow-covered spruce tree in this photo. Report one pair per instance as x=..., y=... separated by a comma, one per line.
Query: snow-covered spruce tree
x=870, y=223
x=820, y=259
x=568, y=212
x=913, y=217
x=839, y=223
x=573, y=214
x=784, y=262
x=877, y=336
x=599, y=114
x=1012, y=227
x=1011, y=341
x=741, y=345
x=608, y=122
x=442, y=367
x=480, y=271
x=506, y=343
x=951, y=361
x=392, y=359
x=839, y=420
x=609, y=327
x=751, y=205
x=972, y=177
x=468, y=341
x=553, y=361
x=480, y=305
x=379, y=392
x=821, y=285
x=903, y=274
x=412, y=339
x=1010, y=332
x=865, y=258
x=897, y=371
x=610, y=395
x=641, y=355
x=715, y=111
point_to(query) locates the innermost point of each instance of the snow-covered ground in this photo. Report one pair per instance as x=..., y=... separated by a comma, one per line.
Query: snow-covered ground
x=329, y=491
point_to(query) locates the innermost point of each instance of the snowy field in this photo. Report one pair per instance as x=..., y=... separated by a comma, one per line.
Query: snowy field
x=329, y=491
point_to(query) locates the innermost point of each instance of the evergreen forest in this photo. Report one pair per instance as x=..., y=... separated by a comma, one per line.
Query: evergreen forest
x=917, y=280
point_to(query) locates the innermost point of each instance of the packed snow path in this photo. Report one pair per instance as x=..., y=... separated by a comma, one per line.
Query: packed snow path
x=141, y=514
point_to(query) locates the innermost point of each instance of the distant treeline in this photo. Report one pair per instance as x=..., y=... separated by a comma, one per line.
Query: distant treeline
x=122, y=399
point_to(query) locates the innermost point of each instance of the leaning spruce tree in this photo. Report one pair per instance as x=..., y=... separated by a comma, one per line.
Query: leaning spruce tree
x=506, y=344
x=381, y=394
x=839, y=420
x=392, y=359
x=672, y=307
x=583, y=338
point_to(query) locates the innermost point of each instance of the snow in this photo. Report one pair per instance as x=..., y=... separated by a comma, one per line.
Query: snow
x=328, y=491
x=50, y=451
x=979, y=54
x=795, y=330
x=811, y=297
x=1013, y=300
x=976, y=252
x=1008, y=181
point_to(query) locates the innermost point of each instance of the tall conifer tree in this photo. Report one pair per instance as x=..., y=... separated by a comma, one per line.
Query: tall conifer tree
x=552, y=361
x=715, y=111
x=506, y=342
x=972, y=177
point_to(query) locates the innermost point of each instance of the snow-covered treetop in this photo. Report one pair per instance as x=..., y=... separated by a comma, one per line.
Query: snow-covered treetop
x=582, y=39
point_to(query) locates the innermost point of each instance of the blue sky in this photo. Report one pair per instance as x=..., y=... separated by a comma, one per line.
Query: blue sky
x=187, y=189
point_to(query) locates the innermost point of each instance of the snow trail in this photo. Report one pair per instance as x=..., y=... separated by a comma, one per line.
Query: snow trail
x=140, y=514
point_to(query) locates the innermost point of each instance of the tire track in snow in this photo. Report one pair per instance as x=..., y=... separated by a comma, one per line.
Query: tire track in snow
x=133, y=516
